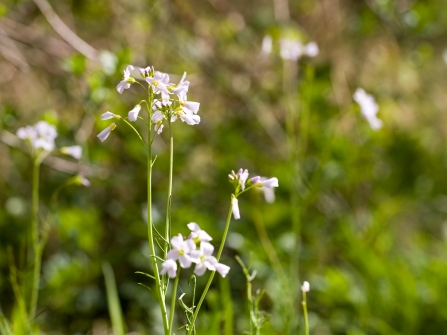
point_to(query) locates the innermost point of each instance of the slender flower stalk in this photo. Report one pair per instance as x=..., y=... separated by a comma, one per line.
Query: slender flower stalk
x=174, y=298
x=160, y=294
x=208, y=284
x=168, y=205
x=35, y=239
x=305, y=288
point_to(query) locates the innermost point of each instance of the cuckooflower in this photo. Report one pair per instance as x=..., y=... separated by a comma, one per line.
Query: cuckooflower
x=368, y=108
x=293, y=49
x=41, y=135
x=181, y=250
x=127, y=80
x=181, y=88
x=159, y=82
x=109, y=115
x=146, y=72
x=169, y=267
x=266, y=48
x=305, y=287
x=198, y=235
x=266, y=186
x=204, y=258
x=235, y=208
x=106, y=132
x=158, y=127
x=74, y=151
x=133, y=114
x=221, y=268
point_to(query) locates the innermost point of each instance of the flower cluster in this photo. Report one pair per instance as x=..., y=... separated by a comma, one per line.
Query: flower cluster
x=170, y=104
x=290, y=49
x=368, y=108
x=240, y=181
x=42, y=135
x=186, y=253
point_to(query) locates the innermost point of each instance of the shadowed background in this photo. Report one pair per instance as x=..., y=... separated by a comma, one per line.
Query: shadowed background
x=369, y=206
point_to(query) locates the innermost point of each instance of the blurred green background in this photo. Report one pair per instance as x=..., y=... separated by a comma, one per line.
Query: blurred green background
x=363, y=213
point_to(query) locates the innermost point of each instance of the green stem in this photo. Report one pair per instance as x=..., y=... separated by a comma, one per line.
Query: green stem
x=35, y=239
x=208, y=284
x=159, y=290
x=168, y=205
x=174, y=298
x=136, y=131
x=306, y=321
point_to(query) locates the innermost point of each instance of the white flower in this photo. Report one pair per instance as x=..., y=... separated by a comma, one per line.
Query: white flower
x=270, y=183
x=108, y=115
x=235, y=207
x=269, y=194
x=181, y=250
x=188, y=106
x=127, y=80
x=157, y=116
x=106, y=132
x=368, y=108
x=266, y=46
x=158, y=128
x=221, y=268
x=182, y=88
x=26, y=133
x=305, y=287
x=169, y=267
x=146, y=72
x=311, y=49
x=198, y=235
x=187, y=117
x=41, y=135
x=204, y=259
x=293, y=49
x=159, y=82
x=74, y=151
x=133, y=114
x=290, y=49
x=243, y=176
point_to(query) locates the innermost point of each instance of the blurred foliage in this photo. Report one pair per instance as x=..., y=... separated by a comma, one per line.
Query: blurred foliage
x=371, y=205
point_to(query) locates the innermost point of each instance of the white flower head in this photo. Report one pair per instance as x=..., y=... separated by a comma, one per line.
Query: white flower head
x=266, y=46
x=109, y=115
x=159, y=82
x=133, y=114
x=311, y=49
x=305, y=287
x=74, y=151
x=169, y=267
x=182, y=88
x=204, y=259
x=222, y=268
x=106, y=132
x=127, y=80
x=159, y=127
x=368, y=108
x=146, y=72
x=41, y=135
x=197, y=234
x=266, y=185
x=181, y=250
x=235, y=208
x=157, y=116
x=290, y=49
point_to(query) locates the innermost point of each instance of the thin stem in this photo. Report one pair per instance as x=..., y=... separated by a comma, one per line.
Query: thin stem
x=219, y=253
x=160, y=294
x=35, y=239
x=168, y=205
x=174, y=298
x=306, y=321
x=136, y=131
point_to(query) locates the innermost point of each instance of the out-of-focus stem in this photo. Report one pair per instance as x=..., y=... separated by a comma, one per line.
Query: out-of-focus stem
x=306, y=321
x=35, y=240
